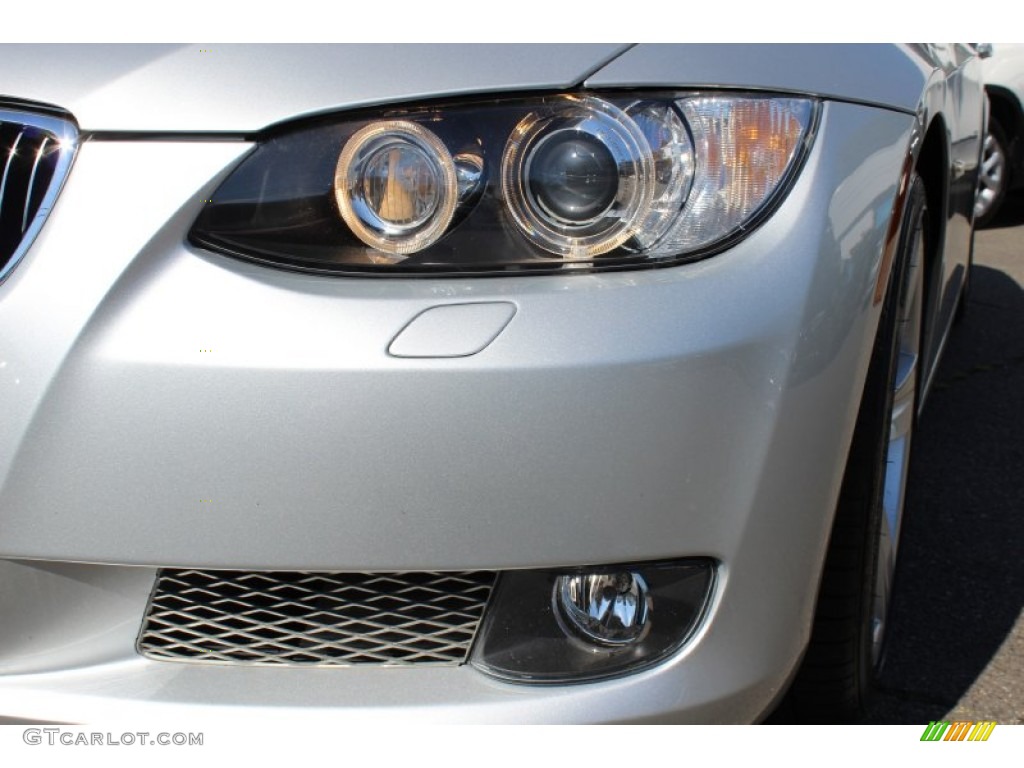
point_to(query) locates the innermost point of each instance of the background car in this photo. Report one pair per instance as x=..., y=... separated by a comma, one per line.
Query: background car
x=1002, y=168
x=576, y=382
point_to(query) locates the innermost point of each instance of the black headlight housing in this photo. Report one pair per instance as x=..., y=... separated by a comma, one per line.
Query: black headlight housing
x=567, y=181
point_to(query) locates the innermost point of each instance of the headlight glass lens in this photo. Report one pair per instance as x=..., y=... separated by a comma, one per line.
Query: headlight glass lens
x=605, y=608
x=578, y=179
x=396, y=186
x=746, y=147
x=595, y=181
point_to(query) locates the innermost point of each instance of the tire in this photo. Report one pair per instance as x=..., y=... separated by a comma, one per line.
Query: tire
x=847, y=645
x=993, y=175
x=965, y=290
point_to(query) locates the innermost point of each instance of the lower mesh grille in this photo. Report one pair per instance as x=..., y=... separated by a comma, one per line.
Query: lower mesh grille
x=314, y=618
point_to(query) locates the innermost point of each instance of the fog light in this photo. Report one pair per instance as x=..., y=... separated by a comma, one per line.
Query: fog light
x=574, y=624
x=605, y=608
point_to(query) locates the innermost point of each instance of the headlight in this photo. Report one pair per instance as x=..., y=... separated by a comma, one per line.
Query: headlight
x=578, y=181
x=396, y=187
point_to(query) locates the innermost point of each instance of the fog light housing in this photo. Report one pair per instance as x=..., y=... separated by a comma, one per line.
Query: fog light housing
x=576, y=625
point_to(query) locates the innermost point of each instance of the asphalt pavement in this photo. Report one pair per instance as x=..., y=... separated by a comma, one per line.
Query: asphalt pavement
x=956, y=648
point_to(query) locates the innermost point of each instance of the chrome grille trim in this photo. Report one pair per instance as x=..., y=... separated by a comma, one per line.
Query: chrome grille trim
x=36, y=152
x=312, y=618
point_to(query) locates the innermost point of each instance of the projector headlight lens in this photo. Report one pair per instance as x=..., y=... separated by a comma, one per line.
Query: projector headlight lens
x=573, y=178
x=579, y=179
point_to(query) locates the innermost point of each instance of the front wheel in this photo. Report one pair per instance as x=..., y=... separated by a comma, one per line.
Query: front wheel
x=847, y=645
x=993, y=176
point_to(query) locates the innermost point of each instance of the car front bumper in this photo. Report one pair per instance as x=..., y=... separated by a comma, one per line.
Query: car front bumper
x=171, y=407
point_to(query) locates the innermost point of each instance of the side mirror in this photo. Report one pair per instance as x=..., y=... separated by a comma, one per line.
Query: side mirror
x=984, y=50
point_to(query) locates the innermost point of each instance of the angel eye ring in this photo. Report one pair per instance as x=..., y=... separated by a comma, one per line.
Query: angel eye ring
x=578, y=179
x=396, y=186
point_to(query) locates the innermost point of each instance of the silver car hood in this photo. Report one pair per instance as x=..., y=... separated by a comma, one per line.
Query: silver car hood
x=245, y=88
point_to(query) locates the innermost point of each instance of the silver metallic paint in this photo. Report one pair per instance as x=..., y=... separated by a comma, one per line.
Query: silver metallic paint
x=453, y=330
x=883, y=75
x=619, y=416
x=297, y=438
x=952, y=107
x=99, y=677
x=723, y=375
x=244, y=88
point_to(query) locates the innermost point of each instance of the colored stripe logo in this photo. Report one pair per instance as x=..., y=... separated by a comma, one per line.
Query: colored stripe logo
x=958, y=730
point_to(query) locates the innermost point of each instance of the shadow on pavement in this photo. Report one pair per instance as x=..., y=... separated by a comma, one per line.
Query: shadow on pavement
x=961, y=582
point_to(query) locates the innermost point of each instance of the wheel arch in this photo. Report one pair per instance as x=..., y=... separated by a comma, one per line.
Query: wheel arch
x=932, y=166
x=1006, y=110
